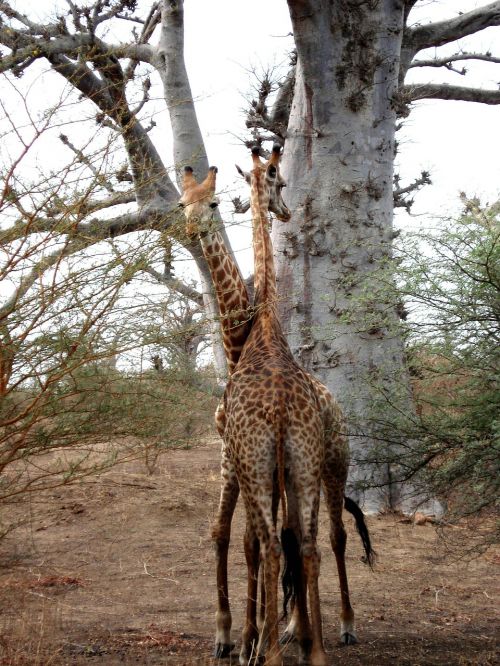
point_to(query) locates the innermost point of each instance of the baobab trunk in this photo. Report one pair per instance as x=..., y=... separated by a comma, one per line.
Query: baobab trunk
x=338, y=164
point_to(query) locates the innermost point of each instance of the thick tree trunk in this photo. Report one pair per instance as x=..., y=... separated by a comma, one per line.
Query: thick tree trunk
x=338, y=164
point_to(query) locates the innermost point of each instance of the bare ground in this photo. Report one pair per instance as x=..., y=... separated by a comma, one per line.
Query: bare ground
x=119, y=570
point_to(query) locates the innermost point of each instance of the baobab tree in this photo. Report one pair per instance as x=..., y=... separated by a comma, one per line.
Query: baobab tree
x=336, y=114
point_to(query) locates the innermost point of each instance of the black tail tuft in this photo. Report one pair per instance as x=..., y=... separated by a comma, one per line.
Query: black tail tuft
x=351, y=506
x=292, y=571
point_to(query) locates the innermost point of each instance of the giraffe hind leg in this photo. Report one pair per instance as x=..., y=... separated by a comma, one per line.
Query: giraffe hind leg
x=338, y=538
x=311, y=564
x=268, y=640
x=294, y=589
x=294, y=582
x=250, y=632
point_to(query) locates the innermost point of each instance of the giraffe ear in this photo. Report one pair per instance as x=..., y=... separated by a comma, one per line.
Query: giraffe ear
x=243, y=174
x=209, y=182
x=188, y=180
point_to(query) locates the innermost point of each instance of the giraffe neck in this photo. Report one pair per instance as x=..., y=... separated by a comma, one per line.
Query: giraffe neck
x=232, y=296
x=264, y=270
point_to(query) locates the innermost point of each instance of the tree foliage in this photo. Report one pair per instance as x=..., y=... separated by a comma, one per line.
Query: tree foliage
x=449, y=281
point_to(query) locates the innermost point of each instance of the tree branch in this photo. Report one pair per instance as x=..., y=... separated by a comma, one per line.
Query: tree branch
x=414, y=92
x=189, y=147
x=83, y=159
x=443, y=32
x=87, y=207
x=152, y=182
x=280, y=112
x=274, y=121
x=150, y=23
x=240, y=206
x=400, y=200
x=446, y=60
x=26, y=48
x=176, y=285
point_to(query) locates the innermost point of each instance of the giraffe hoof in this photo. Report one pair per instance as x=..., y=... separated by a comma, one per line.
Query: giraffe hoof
x=223, y=650
x=348, y=638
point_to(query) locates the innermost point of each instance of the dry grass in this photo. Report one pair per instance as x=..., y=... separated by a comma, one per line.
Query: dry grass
x=120, y=571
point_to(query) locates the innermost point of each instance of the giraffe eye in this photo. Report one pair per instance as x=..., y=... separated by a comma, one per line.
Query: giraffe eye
x=213, y=204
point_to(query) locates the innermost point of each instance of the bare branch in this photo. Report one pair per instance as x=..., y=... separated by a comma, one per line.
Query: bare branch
x=88, y=163
x=443, y=32
x=281, y=108
x=176, y=285
x=33, y=28
x=27, y=49
x=446, y=60
x=146, y=85
x=150, y=23
x=153, y=184
x=409, y=4
x=414, y=92
x=399, y=193
x=87, y=207
x=239, y=205
x=258, y=116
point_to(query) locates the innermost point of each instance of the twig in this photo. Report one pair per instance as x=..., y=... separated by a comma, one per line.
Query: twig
x=172, y=580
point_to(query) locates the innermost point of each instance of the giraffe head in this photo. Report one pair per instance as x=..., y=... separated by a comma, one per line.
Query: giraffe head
x=267, y=174
x=198, y=201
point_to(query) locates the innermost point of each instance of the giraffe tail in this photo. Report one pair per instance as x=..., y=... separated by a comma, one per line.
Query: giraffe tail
x=278, y=418
x=291, y=580
x=351, y=506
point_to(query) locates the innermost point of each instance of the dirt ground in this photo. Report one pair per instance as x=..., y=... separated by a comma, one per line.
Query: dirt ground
x=120, y=570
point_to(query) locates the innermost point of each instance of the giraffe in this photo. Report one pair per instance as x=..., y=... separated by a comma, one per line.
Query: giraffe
x=275, y=437
x=336, y=460
x=199, y=202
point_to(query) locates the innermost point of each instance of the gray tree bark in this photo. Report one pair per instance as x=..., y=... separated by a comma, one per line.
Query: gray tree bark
x=338, y=161
x=339, y=166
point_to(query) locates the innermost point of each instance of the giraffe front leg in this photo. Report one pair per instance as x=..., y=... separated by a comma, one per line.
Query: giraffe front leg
x=221, y=535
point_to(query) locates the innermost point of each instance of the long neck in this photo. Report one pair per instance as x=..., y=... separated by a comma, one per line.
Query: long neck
x=232, y=296
x=264, y=271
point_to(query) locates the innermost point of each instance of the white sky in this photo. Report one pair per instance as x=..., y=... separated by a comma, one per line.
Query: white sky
x=458, y=142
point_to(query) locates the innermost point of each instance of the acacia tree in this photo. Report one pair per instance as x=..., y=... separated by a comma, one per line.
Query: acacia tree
x=336, y=113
